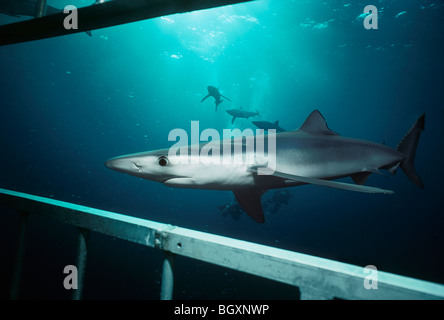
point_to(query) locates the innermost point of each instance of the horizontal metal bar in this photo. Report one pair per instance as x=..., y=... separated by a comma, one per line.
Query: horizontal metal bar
x=316, y=277
x=102, y=15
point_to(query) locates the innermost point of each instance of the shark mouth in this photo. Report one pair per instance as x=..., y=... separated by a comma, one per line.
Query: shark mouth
x=179, y=181
x=138, y=168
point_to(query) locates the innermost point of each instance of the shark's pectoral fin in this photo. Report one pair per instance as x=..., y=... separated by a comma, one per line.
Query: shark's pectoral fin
x=332, y=184
x=250, y=201
x=225, y=97
x=232, y=121
x=208, y=95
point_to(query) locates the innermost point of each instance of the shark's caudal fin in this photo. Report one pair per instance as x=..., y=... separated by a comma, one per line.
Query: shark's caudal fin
x=218, y=102
x=407, y=146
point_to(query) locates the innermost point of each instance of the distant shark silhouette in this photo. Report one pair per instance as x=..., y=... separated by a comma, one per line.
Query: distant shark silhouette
x=239, y=113
x=267, y=125
x=214, y=92
x=313, y=154
x=17, y=8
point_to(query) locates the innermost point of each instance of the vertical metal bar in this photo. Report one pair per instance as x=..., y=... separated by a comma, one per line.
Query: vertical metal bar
x=19, y=256
x=81, y=262
x=40, y=9
x=166, y=289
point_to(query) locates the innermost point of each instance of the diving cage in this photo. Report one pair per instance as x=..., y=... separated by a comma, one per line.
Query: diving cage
x=316, y=278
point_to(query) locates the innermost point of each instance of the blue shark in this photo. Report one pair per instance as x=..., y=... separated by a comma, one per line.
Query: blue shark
x=214, y=92
x=240, y=113
x=312, y=154
x=267, y=125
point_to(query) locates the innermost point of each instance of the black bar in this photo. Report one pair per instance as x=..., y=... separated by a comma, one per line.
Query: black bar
x=110, y=13
x=19, y=256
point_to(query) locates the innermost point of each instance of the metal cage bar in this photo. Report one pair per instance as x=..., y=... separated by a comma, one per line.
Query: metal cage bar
x=82, y=252
x=101, y=15
x=19, y=256
x=167, y=285
x=317, y=278
x=40, y=9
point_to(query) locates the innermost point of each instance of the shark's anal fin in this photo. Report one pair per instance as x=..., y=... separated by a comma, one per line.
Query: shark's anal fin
x=332, y=184
x=360, y=177
x=250, y=201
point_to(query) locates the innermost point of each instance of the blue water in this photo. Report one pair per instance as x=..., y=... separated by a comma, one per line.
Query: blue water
x=70, y=103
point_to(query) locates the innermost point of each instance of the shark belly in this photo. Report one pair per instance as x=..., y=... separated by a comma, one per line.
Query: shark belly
x=215, y=177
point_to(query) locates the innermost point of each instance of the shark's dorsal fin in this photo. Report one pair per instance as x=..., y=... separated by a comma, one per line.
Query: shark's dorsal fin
x=250, y=201
x=315, y=124
x=276, y=122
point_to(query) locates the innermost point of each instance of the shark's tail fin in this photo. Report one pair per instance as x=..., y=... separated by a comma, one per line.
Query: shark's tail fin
x=407, y=146
x=218, y=102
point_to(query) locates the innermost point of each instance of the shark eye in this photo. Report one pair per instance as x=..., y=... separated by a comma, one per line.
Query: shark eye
x=163, y=161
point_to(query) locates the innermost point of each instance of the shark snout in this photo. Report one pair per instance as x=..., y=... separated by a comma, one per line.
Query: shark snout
x=112, y=163
x=122, y=164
